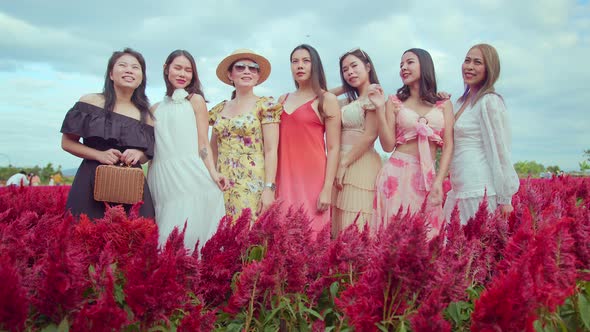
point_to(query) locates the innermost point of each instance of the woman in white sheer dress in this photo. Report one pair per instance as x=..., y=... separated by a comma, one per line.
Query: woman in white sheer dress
x=481, y=161
x=184, y=187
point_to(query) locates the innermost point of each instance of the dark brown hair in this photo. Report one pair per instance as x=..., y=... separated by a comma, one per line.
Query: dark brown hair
x=139, y=98
x=318, y=78
x=352, y=93
x=195, y=84
x=427, y=78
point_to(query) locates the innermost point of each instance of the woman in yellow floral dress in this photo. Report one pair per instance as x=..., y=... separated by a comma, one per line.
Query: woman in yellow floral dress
x=246, y=134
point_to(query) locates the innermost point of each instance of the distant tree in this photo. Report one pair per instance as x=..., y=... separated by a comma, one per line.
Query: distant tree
x=553, y=169
x=47, y=172
x=528, y=168
x=584, y=166
x=587, y=154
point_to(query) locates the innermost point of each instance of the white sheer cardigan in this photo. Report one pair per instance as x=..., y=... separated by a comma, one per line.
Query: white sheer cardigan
x=481, y=158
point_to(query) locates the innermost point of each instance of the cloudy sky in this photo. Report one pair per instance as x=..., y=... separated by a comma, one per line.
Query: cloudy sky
x=52, y=52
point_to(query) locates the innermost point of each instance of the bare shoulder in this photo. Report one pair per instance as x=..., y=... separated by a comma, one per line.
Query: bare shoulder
x=198, y=102
x=331, y=106
x=282, y=98
x=447, y=105
x=95, y=99
x=149, y=120
x=330, y=97
x=154, y=107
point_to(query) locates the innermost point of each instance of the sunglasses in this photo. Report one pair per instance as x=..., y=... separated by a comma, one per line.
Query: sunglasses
x=241, y=66
x=354, y=50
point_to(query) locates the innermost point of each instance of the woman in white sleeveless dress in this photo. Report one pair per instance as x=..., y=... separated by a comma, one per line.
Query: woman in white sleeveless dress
x=184, y=186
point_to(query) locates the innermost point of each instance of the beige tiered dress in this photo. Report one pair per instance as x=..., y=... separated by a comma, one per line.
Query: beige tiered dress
x=358, y=192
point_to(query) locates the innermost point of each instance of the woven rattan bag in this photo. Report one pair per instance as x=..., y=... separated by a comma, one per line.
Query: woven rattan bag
x=118, y=184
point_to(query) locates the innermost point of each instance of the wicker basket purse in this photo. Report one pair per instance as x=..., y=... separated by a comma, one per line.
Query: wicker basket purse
x=118, y=184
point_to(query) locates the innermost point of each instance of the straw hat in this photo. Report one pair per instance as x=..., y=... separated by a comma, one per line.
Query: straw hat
x=239, y=54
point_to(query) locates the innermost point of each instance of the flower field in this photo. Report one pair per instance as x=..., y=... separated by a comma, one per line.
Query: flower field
x=528, y=273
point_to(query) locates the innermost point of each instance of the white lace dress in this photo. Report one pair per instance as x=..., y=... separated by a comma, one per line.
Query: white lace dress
x=178, y=179
x=481, y=158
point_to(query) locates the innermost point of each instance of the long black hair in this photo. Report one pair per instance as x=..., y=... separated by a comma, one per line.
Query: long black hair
x=318, y=78
x=427, y=78
x=139, y=98
x=352, y=93
x=195, y=84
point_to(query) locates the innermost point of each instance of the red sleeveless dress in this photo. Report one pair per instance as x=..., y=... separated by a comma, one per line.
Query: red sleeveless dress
x=302, y=162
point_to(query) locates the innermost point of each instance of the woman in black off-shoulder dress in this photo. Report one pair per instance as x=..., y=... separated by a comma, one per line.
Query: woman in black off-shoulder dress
x=115, y=126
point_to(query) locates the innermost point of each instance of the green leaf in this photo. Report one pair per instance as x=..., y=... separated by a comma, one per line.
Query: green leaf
x=313, y=313
x=119, y=294
x=334, y=289
x=50, y=328
x=382, y=327
x=235, y=327
x=64, y=325
x=255, y=253
x=402, y=327
x=453, y=311
x=272, y=315
x=584, y=306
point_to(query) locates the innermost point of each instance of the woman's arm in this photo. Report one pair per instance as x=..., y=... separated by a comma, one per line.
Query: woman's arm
x=362, y=145
x=448, y=144
x=71, y=143
x=435, y=197
x=270, y=135
x=385, y=114
x=333, y=124
x=205, y=150
x=497, y=143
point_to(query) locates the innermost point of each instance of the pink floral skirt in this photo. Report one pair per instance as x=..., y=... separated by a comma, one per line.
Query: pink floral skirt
x=400, y=184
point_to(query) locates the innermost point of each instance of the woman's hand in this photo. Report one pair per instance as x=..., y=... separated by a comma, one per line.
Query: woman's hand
x=266, y=200
x=324, y=200
x=220, y=180
x=108, y=157
x=340, y=176
x=506, y=210
x=131, y=156
x=443, y=95
x=435, y=197
x=376, y=96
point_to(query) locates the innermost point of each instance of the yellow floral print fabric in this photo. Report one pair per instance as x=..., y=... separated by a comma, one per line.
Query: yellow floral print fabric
x=240, y=149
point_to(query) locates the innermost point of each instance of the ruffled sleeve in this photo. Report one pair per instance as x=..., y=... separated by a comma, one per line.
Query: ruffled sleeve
x=84, y=120
x=103, y=130
x=497, y=140
x=269, y=111
x=214, y=112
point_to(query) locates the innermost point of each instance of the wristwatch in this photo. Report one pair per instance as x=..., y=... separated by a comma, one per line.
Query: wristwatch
x=270, y=185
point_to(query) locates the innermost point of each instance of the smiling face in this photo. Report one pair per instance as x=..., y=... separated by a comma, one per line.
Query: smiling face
x=244, y=73
x=180, y=72
x=409, y=68
x=301, y=65
x=354, y=71
x=474, y=68
x=126, y=72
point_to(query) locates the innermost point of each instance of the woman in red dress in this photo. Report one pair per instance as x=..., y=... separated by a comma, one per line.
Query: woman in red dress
x=309, y=140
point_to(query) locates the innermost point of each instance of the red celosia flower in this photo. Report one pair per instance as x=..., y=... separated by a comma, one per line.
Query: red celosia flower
x=221, y=258
x=197, y=320
x=104, y=314
x=14, y=304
